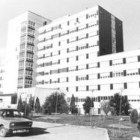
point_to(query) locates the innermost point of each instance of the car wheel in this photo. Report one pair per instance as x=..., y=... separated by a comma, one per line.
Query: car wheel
x=3, y=131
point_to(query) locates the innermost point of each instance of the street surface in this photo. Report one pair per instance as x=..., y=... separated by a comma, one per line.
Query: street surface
x=51, y=131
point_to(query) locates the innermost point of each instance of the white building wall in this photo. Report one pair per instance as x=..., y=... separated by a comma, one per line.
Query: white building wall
x=13, y=49
x=68, y=59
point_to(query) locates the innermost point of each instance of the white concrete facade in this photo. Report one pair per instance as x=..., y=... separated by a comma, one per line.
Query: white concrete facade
x=21, y=51
x=68, y=59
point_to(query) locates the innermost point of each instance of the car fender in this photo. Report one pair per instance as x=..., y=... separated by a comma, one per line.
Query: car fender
x=4, y=123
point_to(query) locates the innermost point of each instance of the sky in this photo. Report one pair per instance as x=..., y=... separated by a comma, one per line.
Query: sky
x=126, y=10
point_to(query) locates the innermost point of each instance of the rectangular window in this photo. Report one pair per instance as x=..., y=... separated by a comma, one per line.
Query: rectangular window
x=63, y=70
x=93, y=65
x=93, y=87
x=93, y=76
x=64, y=33
x=105, y=75
x=56, y=27
x=132, y=72
x=72, y=79
x=73, y=30
x=72, y=22
x=92, y=55
x=55, y=53
x=72, y=68
x=64, y=25
x=118, y=86
x=92, y=14
x=63, y=61
x=83, y=46
x=72, y=39
x=72, y=49
x=82, y=88
x=55, y=62
x=117, y=61
x=72, y=59
x=63, y=42
x=63, y=80
x=92, y=24
x=55, y=36
x=82, y=57
x=72, y=89
x=48, y=29
x=82, y=77
x=82, y=27
x=104, y=64
x=105, y=87
x=82, y=18
x=81, y=67
x=82, y=37
x=48, y=55
x=133, y=85
x=91, y=34
x=131, y=59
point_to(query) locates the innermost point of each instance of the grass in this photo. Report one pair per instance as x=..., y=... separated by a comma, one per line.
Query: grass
x=126, y=132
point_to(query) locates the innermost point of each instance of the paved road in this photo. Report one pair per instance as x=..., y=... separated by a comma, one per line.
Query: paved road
x=49, y=131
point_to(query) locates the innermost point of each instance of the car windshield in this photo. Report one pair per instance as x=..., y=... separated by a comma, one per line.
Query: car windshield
x=10, y=113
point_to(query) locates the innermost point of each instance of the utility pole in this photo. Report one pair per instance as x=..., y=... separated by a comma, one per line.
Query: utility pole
x=120, y=111
x=56, y=105
x=91, y=109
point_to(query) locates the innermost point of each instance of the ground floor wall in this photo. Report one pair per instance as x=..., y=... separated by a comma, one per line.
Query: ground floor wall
x=6, y=101
x=133, y=96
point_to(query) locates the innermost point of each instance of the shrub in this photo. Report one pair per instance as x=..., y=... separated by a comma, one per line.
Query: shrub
x=138, y=124
x=55, y=103
x=134, y=116
x=88, y=105
x=105, y=107
x=118, y=100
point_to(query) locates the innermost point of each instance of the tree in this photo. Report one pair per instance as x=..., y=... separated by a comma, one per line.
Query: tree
x=55, y=102
x=20, y=105
x=138, y=124
x=121, y=104
x=23, y=107
x=134, y=116
x=73, y=108
x=37, y=105
x=31, y=103
x=14, y=99
x=88, y=104
x=105, y=105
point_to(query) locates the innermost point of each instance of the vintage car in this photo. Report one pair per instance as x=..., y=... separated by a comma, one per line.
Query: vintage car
x=11, y=122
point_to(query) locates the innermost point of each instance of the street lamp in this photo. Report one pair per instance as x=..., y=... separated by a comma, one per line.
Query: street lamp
x=120, y=110
x=91, y=109
x=56, y=103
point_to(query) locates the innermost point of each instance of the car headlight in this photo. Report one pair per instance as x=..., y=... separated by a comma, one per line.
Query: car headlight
x=12, y=124
x=30, y=123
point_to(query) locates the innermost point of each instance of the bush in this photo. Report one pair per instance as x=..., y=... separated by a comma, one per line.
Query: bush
x=118, y=100
x=138, y=124
x=134, y=116
x=55, y=103
x=105, y=107
x=88, y=105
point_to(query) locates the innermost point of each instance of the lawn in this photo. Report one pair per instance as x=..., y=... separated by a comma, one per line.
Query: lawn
x=124, y=130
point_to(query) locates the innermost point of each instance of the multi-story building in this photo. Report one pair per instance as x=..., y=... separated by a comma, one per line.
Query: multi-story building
x=21, y=51
x=80, y=54
x=71, y=49
x=2, y=74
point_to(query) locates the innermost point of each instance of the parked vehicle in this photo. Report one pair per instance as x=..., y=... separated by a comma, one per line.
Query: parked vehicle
x=11, y=121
